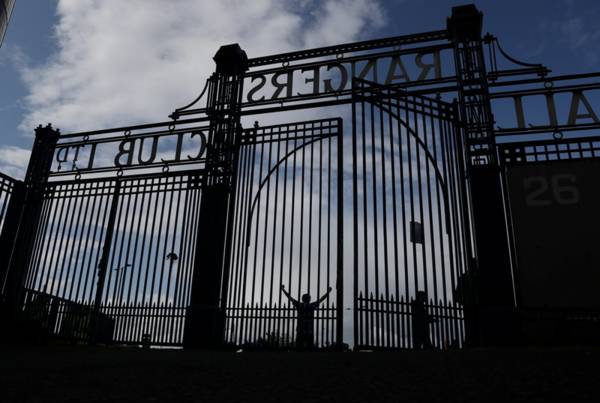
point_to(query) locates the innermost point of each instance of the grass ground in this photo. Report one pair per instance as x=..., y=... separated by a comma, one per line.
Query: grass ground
x=77, y=374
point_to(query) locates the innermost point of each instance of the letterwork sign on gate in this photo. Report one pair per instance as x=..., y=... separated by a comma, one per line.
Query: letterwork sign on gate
x=572, y=109
x=130, y=150
x=556, y=221
x=334, y=75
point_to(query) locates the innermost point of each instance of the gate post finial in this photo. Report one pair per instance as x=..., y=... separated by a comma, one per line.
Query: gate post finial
x=465, y=23
x=231, y=60
x=42, y=153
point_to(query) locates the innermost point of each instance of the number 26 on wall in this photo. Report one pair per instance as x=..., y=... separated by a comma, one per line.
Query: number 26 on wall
x=559, y=189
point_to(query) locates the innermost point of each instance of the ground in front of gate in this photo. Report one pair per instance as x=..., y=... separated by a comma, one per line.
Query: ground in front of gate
x=77, y=374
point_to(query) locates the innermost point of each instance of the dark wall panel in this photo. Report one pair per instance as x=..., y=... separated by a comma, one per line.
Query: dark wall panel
x=556, y=216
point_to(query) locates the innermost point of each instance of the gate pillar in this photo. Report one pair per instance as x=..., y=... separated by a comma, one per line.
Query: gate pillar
x=205, y=317
x=490, y=319
x=25, y=212
x=10, y=229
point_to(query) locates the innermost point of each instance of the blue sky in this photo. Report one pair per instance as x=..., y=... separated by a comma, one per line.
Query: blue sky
x=88, y=64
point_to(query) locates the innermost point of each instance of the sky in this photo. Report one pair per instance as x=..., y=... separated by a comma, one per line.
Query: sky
x=91, y=64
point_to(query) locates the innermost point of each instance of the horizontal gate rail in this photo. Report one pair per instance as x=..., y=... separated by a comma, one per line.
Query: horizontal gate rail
x=291, y=131
x=137, y=127
x=62, y=188
x=275, y=326
x=350, y=47
x=118, y=323
x=396, y=320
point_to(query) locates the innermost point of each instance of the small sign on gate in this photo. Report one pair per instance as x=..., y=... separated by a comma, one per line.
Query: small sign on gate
x=416, y=232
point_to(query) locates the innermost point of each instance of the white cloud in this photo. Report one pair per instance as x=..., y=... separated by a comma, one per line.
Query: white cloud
x=126, y=62
x=13, y=161
x=340, y=20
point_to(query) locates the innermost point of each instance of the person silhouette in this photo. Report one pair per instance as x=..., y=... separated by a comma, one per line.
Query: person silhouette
x=420, y=321
x=305, y=312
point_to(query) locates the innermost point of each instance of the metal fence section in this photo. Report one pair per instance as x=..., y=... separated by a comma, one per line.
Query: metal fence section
x=410, y=227
x=286, y=221
x=8, y=219
x=7, y=185
x=144, y=229
x=446, y=329
x=274, y=327
x=129, y=323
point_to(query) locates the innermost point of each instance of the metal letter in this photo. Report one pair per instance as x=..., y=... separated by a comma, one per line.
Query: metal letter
x=76, y=157
x=202, y=145
x=314, y=79
x=551, y=110
x=426, y=68
x=391, y=74
x=281, y=86
x=92, y=155
x=370, y=66
x=263, y=81
x=61, y=158
x=519, y=111
x=152, y=151
x=551, y=107
x=574, y=111
x=178, y=147
x=124, y=151
x=343, y=79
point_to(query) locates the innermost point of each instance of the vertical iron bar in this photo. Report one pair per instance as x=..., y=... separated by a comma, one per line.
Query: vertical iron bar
x=104, y=262
x=339, y=236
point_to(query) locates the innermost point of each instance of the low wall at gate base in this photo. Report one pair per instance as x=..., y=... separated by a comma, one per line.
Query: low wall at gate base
x=556, y=228
x=55, y=317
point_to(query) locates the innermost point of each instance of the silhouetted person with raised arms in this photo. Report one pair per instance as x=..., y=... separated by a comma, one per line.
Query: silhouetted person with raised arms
x=305, y=311
x=420, y=321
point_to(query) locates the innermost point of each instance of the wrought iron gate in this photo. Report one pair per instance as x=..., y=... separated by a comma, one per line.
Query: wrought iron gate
x=111, y=253
x=120, y=250
x=188, y=229
x=410, y=226
x=287, y=225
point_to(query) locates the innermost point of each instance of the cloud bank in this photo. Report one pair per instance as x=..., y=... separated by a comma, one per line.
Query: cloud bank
x=126, y=62
x=13, y=161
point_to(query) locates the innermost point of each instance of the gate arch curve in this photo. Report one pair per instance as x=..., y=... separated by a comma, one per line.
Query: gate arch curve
x=287, y=217
x=410, y=226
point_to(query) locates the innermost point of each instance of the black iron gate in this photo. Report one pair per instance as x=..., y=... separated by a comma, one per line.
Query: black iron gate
x=117, y=251
x=411, y=233
x=110, y=255
x=287, y=232
x=141, y=234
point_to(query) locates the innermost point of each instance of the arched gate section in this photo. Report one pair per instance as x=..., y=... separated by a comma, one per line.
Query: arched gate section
x=410, y=226
x=287, y=220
